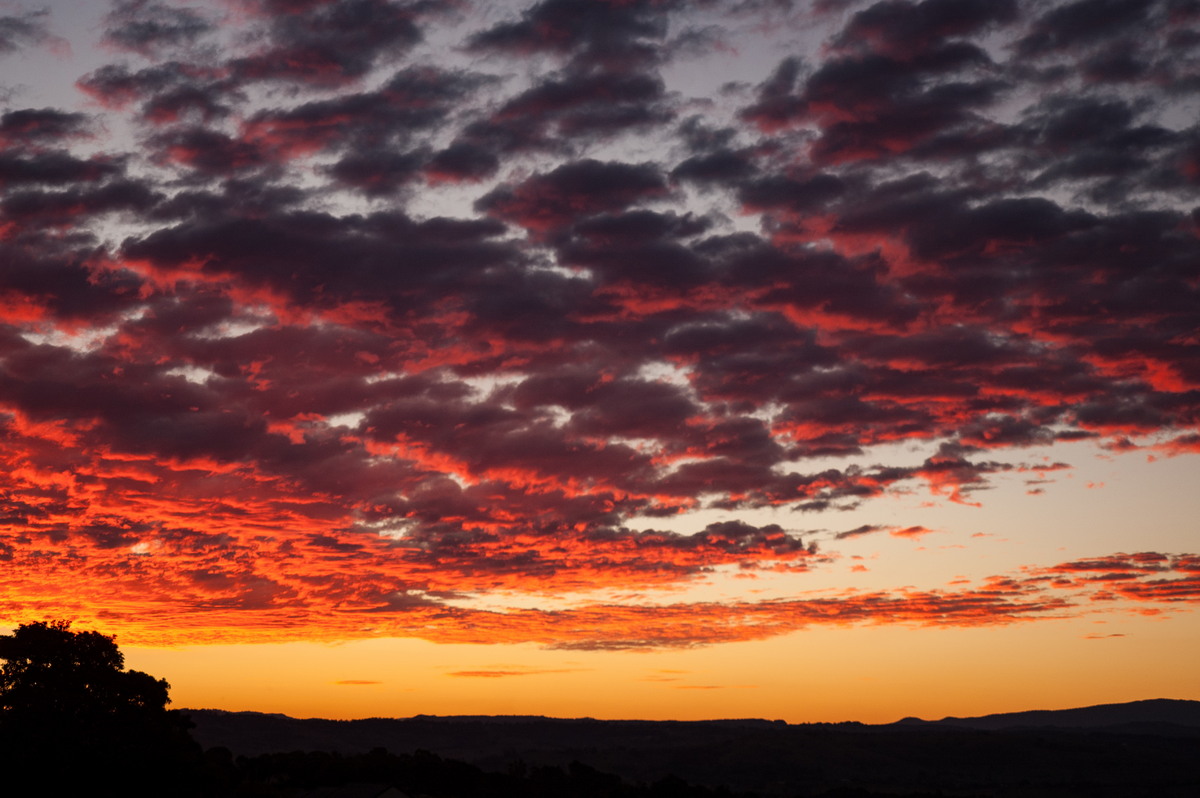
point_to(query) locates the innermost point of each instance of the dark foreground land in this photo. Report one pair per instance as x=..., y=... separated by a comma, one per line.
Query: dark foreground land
x=1144, y=748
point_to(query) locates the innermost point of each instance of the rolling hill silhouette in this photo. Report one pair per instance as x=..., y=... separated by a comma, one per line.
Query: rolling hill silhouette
x=1138, y=748
x=1157, y=715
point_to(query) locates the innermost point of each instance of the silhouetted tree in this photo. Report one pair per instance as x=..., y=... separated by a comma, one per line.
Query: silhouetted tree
x=73, y=717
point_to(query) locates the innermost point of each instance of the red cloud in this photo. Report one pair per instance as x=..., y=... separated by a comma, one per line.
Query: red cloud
x=279, y=359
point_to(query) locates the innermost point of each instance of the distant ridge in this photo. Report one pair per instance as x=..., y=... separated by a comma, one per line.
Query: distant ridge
x=1139, y=748
x=477, y=737
x=1153, y=714
x=1182, y=712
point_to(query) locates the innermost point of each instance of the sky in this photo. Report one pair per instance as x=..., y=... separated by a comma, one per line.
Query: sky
x=818, y=360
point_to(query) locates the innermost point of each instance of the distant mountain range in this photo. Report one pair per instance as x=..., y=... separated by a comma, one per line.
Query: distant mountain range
x=1138, y=748
x=1156, y=716
x=484, y=737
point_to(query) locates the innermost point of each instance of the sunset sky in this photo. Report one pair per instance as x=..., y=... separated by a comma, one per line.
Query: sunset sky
x=818, y=360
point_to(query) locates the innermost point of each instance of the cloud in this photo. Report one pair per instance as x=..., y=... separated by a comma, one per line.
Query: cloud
x=52, y=168
x=1081, y=23
x=914, y=532
x=502, y=673
x=582, y=106
x=18, y=31
x=361, y=311
x=356, y=682
x=168, y=91
x=1143, y=576
x=546, y=203
x=612, y=35
x=329, y=44
x=41, y=126
x=908, y=29
x=147, y=27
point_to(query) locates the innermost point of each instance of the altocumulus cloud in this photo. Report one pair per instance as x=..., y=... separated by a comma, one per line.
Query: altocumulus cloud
x=381, y=306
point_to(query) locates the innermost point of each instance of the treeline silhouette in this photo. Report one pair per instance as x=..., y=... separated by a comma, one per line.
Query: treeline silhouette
x=777, y=759
x=425, y=775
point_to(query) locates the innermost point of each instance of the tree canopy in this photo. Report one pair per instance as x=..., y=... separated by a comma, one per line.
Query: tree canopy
x=50, y=669
x=67, y=703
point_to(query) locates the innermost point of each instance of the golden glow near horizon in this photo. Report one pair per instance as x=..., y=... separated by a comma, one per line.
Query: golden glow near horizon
x=866, y=672
x=872, y=675
x=815, y=361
